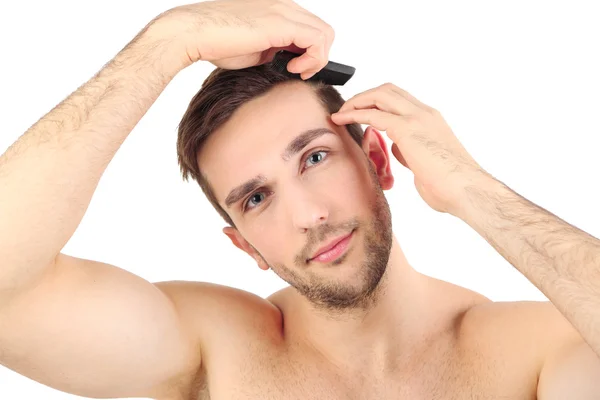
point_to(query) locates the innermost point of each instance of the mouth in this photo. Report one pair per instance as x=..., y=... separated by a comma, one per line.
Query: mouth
x=333, y=250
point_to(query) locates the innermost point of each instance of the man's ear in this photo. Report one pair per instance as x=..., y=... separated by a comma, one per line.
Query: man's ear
x=374, y=146
x=241, y=243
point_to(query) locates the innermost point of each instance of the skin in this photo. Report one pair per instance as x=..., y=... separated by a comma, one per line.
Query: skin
x=412, y=309
x=314, y=201
x=359, y=328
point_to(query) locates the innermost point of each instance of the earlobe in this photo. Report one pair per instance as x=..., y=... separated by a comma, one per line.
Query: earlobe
x=243, y=245
x=376, y=150
x=261, y=262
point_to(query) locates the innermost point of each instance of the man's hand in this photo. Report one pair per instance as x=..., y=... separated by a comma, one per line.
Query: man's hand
x=562, y=261
x=235, y=34
x=423, y=142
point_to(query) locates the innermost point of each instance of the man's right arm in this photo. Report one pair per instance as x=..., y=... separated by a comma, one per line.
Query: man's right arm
x=77, y=325
x=83, y=326
x=48, y=176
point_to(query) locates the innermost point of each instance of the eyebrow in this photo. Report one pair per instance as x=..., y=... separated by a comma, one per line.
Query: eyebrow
x=295, y=146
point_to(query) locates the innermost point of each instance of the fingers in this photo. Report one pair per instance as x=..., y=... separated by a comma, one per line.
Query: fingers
x=384, y=100
x=387, y=108
x=306, y=37
x=407, y=95
x=305, y=17
x=317, y=53
x=381, y=120
x=387, y=97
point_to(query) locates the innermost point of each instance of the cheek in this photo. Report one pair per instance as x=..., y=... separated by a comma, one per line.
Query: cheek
x=346, y=183
x=269, y=241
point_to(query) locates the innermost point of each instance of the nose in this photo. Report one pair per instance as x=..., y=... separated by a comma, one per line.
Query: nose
x=308, y=210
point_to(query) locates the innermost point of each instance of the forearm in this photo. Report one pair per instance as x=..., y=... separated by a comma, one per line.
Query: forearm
x=558, y=258
x=48, y=176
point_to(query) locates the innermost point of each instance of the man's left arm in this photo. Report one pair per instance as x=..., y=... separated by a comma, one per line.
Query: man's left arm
x=558, y=258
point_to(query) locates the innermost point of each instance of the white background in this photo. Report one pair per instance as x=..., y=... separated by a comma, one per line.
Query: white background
x=518, y=82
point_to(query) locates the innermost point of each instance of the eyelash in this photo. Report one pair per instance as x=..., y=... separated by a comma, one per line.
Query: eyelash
x=247, y=199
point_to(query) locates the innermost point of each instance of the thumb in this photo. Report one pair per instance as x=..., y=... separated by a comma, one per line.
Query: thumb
x=398, y=155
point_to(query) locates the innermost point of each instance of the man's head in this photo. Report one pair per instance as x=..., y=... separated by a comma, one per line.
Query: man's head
x=288, y=180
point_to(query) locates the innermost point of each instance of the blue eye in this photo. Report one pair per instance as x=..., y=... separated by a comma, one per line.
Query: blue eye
x=257, y=197
x=317, y=159
x=254, y=197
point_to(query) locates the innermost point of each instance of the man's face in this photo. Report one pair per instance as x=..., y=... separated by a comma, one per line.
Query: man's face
x=292, y=181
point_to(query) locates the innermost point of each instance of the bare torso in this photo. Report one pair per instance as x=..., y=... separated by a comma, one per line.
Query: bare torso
x=482, y=350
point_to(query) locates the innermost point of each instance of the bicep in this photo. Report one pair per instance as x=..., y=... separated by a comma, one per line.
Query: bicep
x=95, y=330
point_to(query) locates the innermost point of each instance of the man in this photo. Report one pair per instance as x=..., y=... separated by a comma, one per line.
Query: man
x=292, y=178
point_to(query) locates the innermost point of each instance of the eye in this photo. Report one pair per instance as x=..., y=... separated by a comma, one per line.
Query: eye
x=316, y=157
x=257, y=197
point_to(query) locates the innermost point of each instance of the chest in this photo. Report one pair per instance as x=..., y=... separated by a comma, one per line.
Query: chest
x=440, y=372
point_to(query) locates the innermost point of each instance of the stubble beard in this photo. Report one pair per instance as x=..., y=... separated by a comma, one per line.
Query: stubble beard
x=335, y=296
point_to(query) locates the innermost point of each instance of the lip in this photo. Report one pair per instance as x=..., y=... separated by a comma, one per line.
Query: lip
x=330, y=245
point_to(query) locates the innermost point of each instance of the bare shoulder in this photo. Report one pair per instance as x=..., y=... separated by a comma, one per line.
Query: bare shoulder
x=539, y=320
x=217, y=312
x=223, y=320
x=478, y=316
x=503, y=330
x=522, y=334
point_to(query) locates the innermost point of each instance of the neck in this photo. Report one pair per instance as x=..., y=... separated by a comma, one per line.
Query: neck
x=391, y=323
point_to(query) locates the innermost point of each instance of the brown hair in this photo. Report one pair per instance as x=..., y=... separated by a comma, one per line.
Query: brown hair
x=221, y=94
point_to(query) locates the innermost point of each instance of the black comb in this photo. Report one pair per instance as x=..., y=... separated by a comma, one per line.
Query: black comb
x=332, y=74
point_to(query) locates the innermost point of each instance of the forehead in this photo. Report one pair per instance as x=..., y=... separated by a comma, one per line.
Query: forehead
x=257, y=132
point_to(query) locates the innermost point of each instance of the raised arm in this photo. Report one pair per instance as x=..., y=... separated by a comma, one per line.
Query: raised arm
x=76, y=325
x=86, y=327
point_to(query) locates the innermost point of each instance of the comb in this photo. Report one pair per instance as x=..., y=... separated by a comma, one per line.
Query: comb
x=332, y=74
